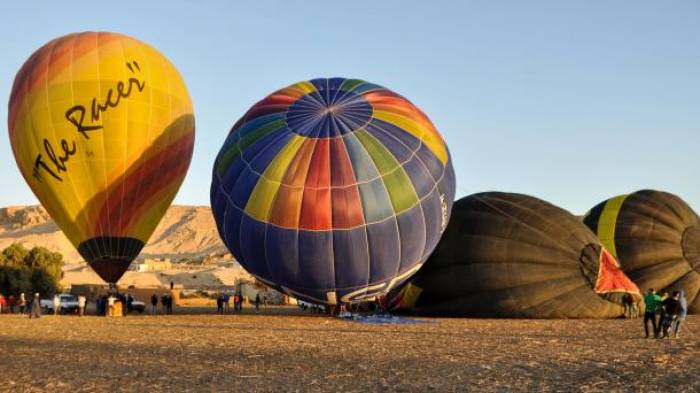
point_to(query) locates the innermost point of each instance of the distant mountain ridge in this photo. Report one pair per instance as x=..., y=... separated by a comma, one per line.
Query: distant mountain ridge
x=185, y=232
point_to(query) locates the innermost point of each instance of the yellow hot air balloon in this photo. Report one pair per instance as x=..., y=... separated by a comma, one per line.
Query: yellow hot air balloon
x=102, y=129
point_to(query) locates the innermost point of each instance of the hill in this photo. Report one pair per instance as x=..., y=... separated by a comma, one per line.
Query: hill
x=184, y=233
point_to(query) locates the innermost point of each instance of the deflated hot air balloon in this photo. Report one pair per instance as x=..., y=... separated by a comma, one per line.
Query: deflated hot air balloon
x=513, y=255
x=102, y=129
x=332, y=190
x=656, y=237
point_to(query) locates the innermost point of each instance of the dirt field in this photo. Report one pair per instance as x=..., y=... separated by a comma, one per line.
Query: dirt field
x=304, y=352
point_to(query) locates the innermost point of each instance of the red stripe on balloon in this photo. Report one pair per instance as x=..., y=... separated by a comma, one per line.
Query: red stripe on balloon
x=347, y=205
x=149, y=178
x=316, y=202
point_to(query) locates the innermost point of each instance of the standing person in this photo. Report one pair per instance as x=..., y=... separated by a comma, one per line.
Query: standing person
x=22, y=303
x=681, y=314
x=56, y=305
x=2, y=303
x=163, y=303
x=81, y=305
x=671, y=307
x=257, y=301
x=154, y=304
x=35, y=310
x=651, y=302
x=220, y=304
x=227, y=302
x=170, y=304
x=110, y=305
x=11, y=301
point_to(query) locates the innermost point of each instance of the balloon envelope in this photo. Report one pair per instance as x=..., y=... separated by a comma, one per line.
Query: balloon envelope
x=513, y=255
x=332, y=190
x=656, y=237
x=102, y=129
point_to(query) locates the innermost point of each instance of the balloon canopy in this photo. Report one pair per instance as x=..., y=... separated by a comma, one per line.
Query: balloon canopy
x=656, y=237
x=513, y=255
x=102, y=129
x=332, y=190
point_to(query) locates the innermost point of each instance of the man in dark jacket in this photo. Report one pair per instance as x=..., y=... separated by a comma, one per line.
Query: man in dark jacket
x=671, y=307
x=154, y=304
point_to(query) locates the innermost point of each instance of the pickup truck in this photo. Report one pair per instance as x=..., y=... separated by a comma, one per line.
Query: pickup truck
x=69, y=304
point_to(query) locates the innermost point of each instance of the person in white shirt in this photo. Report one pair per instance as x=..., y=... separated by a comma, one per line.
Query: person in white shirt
x=81, y=305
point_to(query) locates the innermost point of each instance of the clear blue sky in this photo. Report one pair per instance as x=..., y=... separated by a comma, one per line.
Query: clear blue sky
x=570, y=101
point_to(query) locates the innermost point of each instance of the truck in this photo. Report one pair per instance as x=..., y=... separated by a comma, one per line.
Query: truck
x=69, y=304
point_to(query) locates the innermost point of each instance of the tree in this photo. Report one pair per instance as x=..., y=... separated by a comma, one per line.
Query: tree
x=29, y=271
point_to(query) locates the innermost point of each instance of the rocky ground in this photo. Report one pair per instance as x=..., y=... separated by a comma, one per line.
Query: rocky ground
x=285, y=350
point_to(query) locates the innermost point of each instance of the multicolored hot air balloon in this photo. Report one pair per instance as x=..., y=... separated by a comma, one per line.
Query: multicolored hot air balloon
x=513, y=255
x=332, y=190
x=656, y=237
x=102, y=129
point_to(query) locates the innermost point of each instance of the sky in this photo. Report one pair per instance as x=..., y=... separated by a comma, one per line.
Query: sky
x=573, y=102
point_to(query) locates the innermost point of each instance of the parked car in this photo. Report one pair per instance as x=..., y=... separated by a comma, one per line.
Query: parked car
x=69, y=304
x=137, y=305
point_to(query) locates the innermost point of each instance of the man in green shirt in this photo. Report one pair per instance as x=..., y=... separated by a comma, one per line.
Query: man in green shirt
x=651, y=302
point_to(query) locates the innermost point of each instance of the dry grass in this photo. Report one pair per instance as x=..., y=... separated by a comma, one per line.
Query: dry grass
x=277, y=352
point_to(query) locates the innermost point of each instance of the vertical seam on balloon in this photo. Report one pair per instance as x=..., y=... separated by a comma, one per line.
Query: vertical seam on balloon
x=85, y=236
x=124, y=156
x=142, y=157
x=301, y=205
x=104, y=156
x=371, y=159
x=414, y=154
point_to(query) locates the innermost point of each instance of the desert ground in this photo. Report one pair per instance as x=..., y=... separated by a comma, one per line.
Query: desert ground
x=283, y=349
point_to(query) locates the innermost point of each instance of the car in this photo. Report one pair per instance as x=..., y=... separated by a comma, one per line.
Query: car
x=137, y=305
x=68, y=304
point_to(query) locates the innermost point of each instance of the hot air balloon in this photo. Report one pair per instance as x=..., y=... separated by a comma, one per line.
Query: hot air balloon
x=513, y=255
x=102, y=129
x=332, y=190
x=656, y=237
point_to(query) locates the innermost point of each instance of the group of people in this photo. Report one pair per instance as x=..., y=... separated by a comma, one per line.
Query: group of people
x=223, y=301
x=8, y=305
x=12, y=304
x=666, y=313
x=166, y=302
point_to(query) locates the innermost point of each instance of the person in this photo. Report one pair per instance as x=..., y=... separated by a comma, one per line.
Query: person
x=227, y=302
x=35, y=311
x=22, y=303
x=110, y=305
x=11, y=301
x=257, y=302
x=169, y=304
x=129, y=303
x=56, y=304
x=220, y=304
x=154, y=304
x=163, y=303
x=81, y=305
x=651, y=303
x=671, y=307
x=2, y=303
x=627, y=301
x=681, y=314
